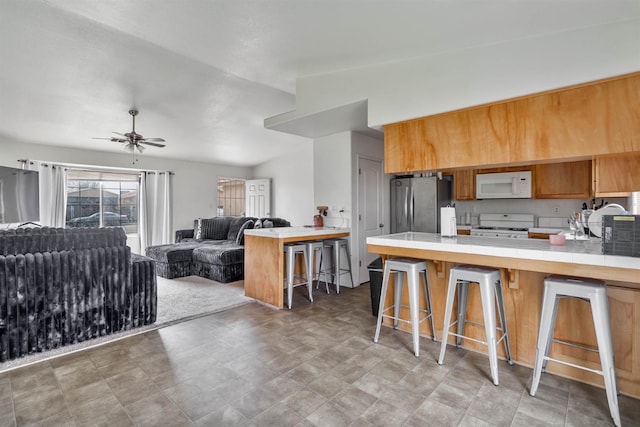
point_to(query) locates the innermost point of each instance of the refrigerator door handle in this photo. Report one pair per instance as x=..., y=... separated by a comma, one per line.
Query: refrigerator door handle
x=406, y=204
x=411, y=203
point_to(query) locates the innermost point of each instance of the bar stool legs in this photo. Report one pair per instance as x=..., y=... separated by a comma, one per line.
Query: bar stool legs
x=593, y=291
x=291, y=251
x=413, y=269
x=490, y=294
x=336, y=245
x=313, y=247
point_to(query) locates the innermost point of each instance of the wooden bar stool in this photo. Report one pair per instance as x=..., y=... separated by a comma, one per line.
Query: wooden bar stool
x=413, y=268
x=491, y=293
x=594, y=292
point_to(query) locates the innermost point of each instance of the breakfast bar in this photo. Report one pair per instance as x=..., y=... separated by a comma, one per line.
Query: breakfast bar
x=524, y=264
x=264, y=258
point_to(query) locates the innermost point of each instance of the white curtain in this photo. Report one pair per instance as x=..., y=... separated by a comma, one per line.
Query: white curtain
x=155, y=209
x=53, y=192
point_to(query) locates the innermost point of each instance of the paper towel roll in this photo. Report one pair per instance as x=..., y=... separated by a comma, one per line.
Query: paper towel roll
x=448, y=222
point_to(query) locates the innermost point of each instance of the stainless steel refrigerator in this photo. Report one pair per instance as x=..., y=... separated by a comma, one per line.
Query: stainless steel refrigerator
x=416, y=203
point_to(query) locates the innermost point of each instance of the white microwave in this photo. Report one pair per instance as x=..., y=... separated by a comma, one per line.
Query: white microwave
x=505, y=185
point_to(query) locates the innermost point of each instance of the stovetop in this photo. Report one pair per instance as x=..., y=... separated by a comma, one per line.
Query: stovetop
x=480, y=227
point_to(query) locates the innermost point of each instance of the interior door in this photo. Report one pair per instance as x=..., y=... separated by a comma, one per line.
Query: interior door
x=370, y=211
x=258, y=197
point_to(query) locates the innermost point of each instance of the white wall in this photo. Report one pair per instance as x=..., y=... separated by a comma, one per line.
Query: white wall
x=291, y=185
x=194, y=184
x=428, y=85
x=335, y=183
x=332, y=177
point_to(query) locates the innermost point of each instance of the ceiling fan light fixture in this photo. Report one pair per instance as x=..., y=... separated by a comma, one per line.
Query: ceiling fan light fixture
x=133, y=140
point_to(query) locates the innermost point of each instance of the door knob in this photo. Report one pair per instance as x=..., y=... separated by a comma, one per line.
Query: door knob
x=381, y=225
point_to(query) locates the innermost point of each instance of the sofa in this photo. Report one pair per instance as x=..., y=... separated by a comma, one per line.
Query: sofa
x=63, y=286
x=213, y=248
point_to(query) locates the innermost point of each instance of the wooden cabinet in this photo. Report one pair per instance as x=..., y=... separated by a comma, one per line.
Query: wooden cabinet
x=464, y=185
x=616, y=176
x=570, y=180
x=591, y=119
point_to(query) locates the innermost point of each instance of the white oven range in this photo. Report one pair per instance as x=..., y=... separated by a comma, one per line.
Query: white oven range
x=515, y=226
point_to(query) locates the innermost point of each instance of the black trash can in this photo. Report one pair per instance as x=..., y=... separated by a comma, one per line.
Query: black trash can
x=375, y=284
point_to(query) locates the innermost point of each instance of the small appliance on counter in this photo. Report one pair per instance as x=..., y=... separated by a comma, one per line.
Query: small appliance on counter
x=448, y=227
x=621, y=235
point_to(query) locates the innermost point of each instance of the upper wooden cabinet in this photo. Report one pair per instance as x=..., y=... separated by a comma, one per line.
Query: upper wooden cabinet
x=571, y=180
x=616, y=176
x=587, y=120
x=464, y=185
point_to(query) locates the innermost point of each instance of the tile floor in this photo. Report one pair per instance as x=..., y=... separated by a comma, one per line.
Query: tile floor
x=315, y=365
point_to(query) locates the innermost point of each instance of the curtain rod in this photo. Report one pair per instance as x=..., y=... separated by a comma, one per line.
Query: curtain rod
x=95, y=167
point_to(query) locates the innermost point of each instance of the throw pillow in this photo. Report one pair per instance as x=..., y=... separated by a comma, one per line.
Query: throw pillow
x=267, y=224
x=258, y=224
x=216, y=228
x=240, y=237
x=197, y=234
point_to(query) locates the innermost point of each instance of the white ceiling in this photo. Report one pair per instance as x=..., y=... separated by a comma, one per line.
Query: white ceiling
x=205, y=73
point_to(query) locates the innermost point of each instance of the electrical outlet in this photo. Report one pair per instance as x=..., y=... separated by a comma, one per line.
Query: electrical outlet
x=556, y=209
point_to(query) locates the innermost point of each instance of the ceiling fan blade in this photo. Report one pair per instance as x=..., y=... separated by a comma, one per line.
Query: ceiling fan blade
x=151, y=143
x=118, y=133
x=153, y=139
x=103, y=138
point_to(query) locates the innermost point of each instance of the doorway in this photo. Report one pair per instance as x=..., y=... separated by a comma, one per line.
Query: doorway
x=258, y=197
x=370, y=213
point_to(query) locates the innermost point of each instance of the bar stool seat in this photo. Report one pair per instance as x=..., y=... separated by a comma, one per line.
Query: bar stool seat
x=595, y=292
x=413, y=268
x=336, y=246
x=292, y=250
x=490, y=293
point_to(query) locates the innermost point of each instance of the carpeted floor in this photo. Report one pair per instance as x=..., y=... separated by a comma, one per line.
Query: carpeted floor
x=178, y=300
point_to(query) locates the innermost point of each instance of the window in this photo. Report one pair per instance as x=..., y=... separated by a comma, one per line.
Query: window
x=231, y=197
x=102, y=199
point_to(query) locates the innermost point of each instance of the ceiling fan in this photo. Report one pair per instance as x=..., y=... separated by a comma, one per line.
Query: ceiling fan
x=134, y=141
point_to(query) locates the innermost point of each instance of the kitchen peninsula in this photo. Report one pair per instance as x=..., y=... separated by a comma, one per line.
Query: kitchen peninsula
x=264, y=258
x=524, y=264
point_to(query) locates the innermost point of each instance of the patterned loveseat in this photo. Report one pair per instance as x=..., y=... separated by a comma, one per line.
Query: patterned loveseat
x=62, y=286
x=213, y=249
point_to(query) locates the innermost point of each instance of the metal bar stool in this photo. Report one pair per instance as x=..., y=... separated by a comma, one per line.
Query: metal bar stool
x=594, y=292
x=292, y=250
x=314, y=246
x=414, y=269
x=490, y=293
x=336, y=245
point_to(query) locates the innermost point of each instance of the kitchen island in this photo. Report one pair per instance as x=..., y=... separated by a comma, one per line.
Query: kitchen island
x=264, y=258
x=524, y=264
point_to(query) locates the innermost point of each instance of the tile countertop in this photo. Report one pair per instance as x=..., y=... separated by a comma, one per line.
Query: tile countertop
x=284, y=232
x=588, y=252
